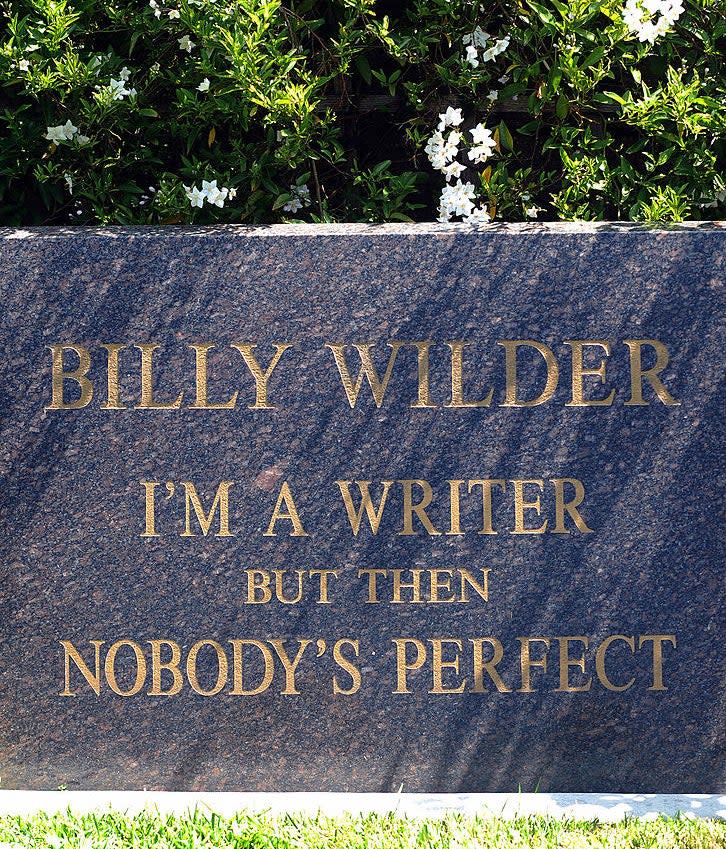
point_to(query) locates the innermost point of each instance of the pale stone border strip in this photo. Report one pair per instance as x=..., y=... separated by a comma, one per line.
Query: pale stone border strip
x=606, y=807
x=617, y=228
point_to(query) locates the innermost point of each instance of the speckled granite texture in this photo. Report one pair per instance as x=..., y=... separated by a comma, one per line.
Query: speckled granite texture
x=75, y=567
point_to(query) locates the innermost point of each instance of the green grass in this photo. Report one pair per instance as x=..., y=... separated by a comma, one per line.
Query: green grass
x=259, y=831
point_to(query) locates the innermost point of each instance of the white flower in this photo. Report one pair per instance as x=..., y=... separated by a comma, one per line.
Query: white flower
x=493, y=95
x=292, y=205
x=484, y=143
x=213, y=194
x=531, y=211
x=471, y=56
x=503, y=79
x=24, y=65
x=124, y=74
x=478, y=38
x=479, y=153
x=82, y=139
x=63, y=132
x=477, y=216
x=232, y=194
x=69, y=182
x=118, y=89
x=480, y=134
x=498, y=47
x=451, y=118
x=456, y=199
x=195, y=195
x=453, y=171
x=300, y=197
x=451, y=146
x=434, y=145
x=185, y=43
x=203, y=85
x=640, y=17
x=173, y=14
x=155, y=6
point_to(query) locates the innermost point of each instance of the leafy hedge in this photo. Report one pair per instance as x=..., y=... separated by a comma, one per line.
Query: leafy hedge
x=250, y=111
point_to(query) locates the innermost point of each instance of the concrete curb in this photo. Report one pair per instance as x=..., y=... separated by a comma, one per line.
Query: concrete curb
x=606, y=807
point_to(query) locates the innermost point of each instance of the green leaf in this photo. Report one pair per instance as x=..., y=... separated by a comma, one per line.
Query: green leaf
x=364, y=68
x=545, y=15
x=562, y=107
x=505, y=137
x=281, y=200
x=594, y=57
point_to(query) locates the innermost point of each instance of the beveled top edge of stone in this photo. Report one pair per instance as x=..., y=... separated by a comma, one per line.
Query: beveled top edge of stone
x=368, y=230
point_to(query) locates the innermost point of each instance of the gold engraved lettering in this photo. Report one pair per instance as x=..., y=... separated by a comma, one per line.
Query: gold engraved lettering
x=455, y=509
x=113, y=399
x=409, y=508
x=637, y=373
x=355, y=517
x=467, y=579
x=372, y=583
x=149, y=504
x=569, y=506
x=414, y=585
x=171, y=665
x=221, y=501
x=566, y=662
x=579, y=372
x=286, y=501
x=237, y=668
x=258, y=592
x=279, y=586
x=222, y=668
x=457, y=380
x=657, y=640
x=489, y=666
x=289, y=665
x=323, y=575
x=424, y=399
x=438, y=664
x=486, y=501
x=520, y=505
x=70, y=653
x=262, y=378
x=510, y=370
x=600, y=662
x=147, y=381
x=526, y=663
x=202, y=403
x=78, y=376
x=403, y=666
x=109, y=668
x=347, y=666
x=368, y=370
x=440, y=580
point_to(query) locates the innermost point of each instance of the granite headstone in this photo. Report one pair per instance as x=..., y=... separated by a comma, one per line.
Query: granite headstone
x=362, y=508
